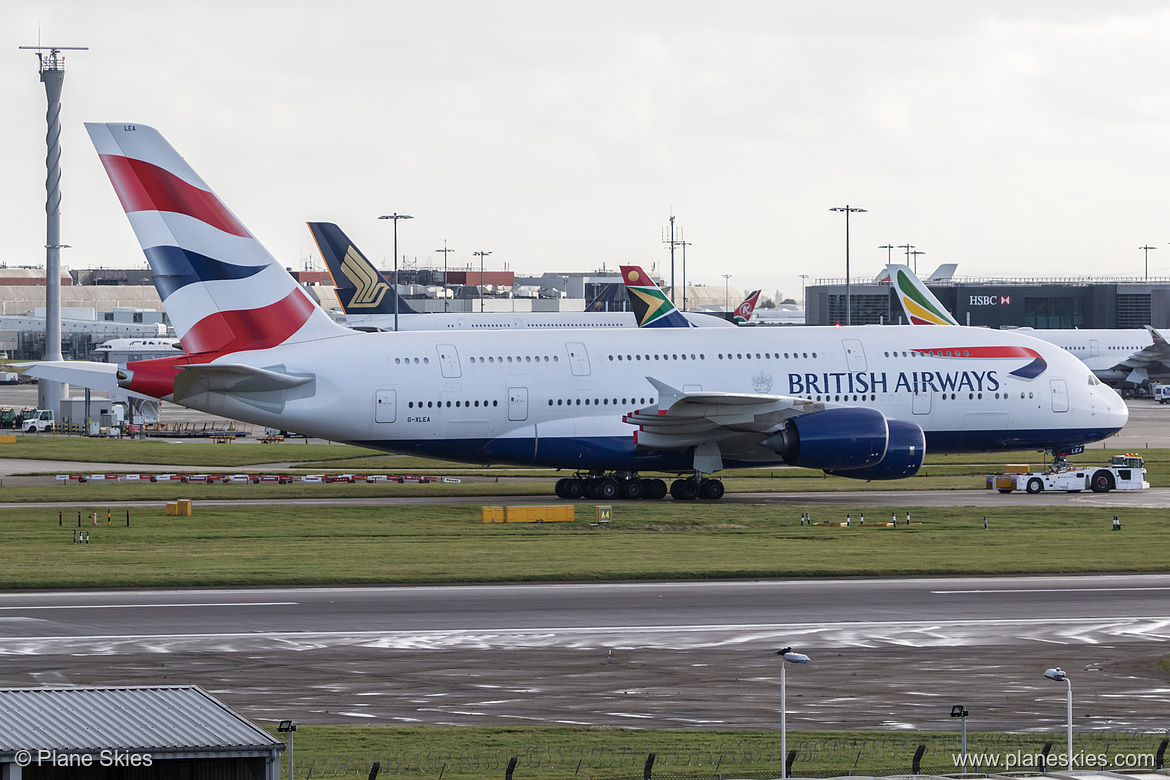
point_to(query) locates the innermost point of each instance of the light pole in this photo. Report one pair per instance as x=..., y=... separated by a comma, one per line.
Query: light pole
x=848, y=210
x=396, y=216
x=889, y=252
x=288, y=727
x=445, y=252
x=916, y=253
x=907, y=247
x=1147, y=248
x=804, y=293
x=1059, y=675
x=959, y=711
x=726, y=296
x=481, y=256
x=787, y=657
x=684, y=245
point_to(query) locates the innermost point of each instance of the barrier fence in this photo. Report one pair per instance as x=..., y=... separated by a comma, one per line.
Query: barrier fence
x=830, y=757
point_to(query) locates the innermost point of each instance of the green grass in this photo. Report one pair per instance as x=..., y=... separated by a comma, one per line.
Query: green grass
x=263, y=545
x=471, y=753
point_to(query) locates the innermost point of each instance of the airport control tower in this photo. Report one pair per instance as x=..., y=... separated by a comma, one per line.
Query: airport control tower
x=53, y=77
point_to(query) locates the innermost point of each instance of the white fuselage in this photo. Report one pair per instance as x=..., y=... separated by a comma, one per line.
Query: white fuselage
x=557, y=398
x=583, y=320
x=1102, y=349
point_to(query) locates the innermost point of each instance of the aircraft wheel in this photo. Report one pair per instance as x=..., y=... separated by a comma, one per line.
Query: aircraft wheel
x=574, y=489
x=1035, y=485
x=1103, y=482
x=654, y=489
x=684, y=490
x=632, y=489
x=711, y=490
x=606, y=489
x=559, y=488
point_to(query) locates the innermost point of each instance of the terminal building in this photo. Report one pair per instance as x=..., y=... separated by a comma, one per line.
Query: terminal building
x=998, y=303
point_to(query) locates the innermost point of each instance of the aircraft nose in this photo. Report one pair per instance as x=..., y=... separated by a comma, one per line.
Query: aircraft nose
x=1116, y=413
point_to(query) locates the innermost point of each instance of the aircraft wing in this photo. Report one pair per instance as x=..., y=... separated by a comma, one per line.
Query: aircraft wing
x=1154, y=358
x=715, y=423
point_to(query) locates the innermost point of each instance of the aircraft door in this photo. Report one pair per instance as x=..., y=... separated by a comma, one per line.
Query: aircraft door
x=1094, y=348
x=1059, y=395
x=448, y=360
x=517, y=404
x=854, y=354
x=922, y=399
x=385, y=406
x=578, y=358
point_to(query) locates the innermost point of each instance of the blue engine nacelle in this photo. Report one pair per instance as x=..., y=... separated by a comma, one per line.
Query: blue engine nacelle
x=834, y=439
x=905, y=452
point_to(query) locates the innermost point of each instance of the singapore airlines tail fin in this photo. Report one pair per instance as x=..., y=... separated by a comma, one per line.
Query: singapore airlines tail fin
x=222, y=289
x=919, y=303
x=743, y=313
x=361, y=288
x=652, y=309
x=605, y=299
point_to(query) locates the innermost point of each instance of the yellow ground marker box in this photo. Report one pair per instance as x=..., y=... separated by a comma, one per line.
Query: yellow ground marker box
x=555, y=513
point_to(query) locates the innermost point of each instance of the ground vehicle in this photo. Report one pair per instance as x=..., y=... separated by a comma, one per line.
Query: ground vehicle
x=1161, y=394
x=37, y=421
x=8, y=417
x=1124, y=472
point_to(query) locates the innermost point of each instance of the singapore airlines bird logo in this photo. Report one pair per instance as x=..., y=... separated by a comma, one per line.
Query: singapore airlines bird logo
x=370, y=288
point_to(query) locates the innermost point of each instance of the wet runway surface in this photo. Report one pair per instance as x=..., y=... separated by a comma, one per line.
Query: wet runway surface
x=886, y=653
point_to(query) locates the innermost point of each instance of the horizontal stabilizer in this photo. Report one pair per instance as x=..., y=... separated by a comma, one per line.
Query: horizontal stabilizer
x=102, y=377
x=233, y=379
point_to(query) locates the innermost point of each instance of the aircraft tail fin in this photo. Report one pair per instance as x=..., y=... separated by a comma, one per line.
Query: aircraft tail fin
x=919, y=303
x=221, y=288
x=743, y=313
x=361, y=288
x=652, y=309
x=605, y=299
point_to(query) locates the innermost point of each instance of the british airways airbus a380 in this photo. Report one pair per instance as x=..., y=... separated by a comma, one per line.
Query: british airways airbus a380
x=861, y=402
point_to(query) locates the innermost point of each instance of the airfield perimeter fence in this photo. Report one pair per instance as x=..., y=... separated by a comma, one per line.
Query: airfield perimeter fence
x=835, y=756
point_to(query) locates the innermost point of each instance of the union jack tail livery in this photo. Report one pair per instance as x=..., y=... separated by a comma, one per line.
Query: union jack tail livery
x=743, y=312
x=652, y=308
x=222, y=289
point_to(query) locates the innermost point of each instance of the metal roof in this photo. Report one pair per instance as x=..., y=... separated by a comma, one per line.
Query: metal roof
x=158, y=720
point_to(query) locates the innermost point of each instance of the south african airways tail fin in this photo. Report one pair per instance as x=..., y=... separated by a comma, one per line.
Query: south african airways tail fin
x=361, y=288
x=652, y=309
x=223, y=291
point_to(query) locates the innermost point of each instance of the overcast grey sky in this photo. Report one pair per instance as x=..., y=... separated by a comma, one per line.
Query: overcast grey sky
x=1014, y=138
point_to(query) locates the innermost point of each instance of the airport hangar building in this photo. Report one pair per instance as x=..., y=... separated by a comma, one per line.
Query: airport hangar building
x=998, y=303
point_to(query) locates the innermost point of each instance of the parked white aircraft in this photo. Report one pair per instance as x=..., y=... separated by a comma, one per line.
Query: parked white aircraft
x=1114, y=355
x=861, y=402
x=368, y=300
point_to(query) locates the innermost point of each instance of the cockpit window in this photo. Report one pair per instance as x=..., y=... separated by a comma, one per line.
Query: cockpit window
x=1093, y=380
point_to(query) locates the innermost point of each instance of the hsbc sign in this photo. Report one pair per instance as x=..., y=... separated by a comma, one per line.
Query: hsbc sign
x=991, y=300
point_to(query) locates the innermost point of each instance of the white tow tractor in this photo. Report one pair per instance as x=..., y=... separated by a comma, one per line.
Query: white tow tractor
x=1124, y=472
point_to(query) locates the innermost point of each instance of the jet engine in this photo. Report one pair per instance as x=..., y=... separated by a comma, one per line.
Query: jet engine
x=905, y=451
x=833, y=439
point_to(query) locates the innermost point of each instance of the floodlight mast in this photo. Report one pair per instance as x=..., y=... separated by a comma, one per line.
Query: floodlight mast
x=786, y=657
x=1059, y=675
x=52, y=72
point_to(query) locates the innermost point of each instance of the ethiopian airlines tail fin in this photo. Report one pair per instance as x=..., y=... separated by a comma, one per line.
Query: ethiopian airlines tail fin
x=361, y=288
x=919, y=303
x=743, y=313
x=652, y=309
x=221, y=288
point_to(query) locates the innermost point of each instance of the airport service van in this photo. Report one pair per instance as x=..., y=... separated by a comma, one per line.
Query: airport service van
x=37, y=421
x=1161, y=394
x=1124, y=472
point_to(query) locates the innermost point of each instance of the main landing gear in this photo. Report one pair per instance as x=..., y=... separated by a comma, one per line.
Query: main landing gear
x=628, y=485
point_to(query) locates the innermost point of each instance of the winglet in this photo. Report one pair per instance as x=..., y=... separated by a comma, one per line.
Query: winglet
x=652, y=308
x=919, y=303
